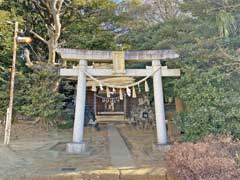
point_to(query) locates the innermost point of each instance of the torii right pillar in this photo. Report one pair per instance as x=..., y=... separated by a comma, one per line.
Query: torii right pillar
x=159, y=104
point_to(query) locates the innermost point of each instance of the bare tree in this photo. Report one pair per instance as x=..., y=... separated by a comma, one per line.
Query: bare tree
x=151, y=11
x=161, y=10
x=50, y=12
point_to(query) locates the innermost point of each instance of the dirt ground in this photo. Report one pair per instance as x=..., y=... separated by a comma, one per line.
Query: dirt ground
x=33, y=151
x=141, y=144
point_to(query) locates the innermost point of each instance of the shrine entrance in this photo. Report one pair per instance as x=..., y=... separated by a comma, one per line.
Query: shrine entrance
x=117, y=60
x=106, y=106
x=110, y=109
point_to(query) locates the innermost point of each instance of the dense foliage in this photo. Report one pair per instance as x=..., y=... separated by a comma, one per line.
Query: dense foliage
x=37, y=92
x=94, y=27
x=6, y=44
x=207, y=40
x=210, y=85
x=37, y=95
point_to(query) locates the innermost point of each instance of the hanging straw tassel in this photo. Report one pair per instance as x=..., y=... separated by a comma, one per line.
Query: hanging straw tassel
x=120, y=94
x=108, y=92
x=128, y=90
x=94, y=88
x=139, y=88
x=146, y=87
x=101, y=87
x=134, y=92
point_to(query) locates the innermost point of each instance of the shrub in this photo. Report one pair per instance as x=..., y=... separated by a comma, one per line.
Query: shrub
x=210, y=159
x=212, y=104
x=36, y=94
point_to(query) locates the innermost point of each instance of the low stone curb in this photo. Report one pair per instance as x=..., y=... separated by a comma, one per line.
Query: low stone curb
x=112, y=174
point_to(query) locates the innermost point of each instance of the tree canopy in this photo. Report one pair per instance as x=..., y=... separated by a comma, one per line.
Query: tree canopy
x=83, y=25
x=207, y=37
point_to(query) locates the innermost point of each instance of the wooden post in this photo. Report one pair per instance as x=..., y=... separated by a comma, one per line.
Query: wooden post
x=179, y=105
x=6, y=137
x=9, y=113
x=95, y=104
x=125, y=106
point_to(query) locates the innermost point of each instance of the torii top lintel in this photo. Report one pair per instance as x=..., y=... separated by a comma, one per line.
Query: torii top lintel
x=97, y=55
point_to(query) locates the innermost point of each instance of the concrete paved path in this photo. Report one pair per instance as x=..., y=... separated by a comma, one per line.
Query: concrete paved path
x=119, y=153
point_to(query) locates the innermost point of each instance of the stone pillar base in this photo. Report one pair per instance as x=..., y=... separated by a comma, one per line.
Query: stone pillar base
x=161, y=147
x=77, y=148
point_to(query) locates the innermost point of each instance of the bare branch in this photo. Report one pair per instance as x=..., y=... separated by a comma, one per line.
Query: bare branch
x=233, y=7
x=59, y=6
x=61, y=43
x=39, y=37
x=2, y=80
x=55, y=89
x=2, y=68
x=28, y=59
x=46, y=3
x=227, y=55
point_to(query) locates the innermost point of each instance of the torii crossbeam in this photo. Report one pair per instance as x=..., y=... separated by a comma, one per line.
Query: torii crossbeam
x=83, y=56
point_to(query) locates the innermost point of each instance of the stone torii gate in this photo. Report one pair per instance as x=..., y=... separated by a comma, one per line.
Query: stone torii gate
x=118, y=58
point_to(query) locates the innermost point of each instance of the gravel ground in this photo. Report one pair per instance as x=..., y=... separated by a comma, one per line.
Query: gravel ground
x=33, y=151
x=141, y=144
x=36, y=152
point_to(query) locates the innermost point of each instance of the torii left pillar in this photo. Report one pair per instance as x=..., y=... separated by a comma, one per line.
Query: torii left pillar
x=78, y=146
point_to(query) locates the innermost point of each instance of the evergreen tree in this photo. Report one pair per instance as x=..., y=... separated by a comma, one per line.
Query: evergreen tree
x=85, y=24
x=207, y=39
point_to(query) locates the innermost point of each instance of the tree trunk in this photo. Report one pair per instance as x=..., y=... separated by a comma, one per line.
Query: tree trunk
x=53, y=8
x=51, y=54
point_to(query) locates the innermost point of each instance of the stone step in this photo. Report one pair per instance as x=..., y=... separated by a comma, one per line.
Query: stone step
x=111, y=118
x=111, y=113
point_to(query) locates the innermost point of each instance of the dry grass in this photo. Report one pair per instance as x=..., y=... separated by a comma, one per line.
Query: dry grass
x=210, y=159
